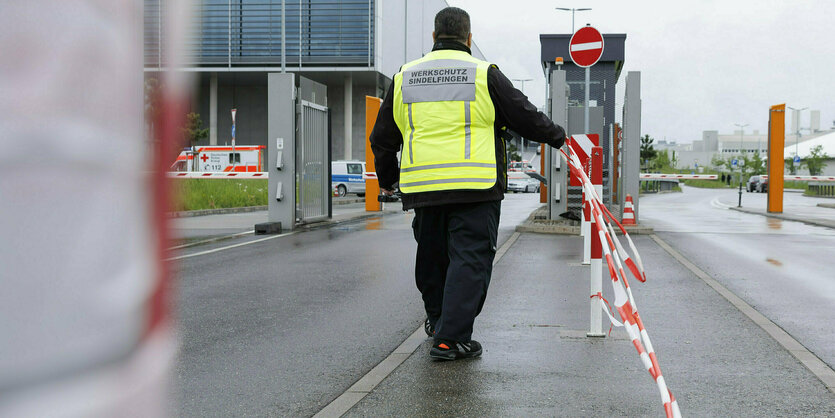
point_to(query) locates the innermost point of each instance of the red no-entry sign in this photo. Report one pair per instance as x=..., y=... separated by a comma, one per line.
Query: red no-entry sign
x=586, y=46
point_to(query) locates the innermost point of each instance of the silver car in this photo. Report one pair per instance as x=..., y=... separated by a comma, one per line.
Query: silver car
x=521, y=182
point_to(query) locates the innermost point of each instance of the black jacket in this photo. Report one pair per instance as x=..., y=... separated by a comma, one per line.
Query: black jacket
x=513, y=111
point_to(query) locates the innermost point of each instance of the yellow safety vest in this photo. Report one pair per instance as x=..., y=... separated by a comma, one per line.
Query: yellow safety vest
x=443, y=109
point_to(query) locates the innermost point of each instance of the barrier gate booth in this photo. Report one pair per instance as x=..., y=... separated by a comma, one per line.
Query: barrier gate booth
x=298, y=150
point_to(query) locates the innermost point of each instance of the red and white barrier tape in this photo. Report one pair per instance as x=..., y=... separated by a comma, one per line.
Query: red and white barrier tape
x=217, y=175
x=655, y=176
x=624, y=301
x=806, y=178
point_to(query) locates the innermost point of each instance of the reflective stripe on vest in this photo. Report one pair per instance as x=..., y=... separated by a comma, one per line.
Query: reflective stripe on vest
x=443, y=109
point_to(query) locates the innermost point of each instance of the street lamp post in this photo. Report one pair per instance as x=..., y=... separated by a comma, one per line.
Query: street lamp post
x=741, y=132
x=797, y=130
x=572, y=10
x=523, y=80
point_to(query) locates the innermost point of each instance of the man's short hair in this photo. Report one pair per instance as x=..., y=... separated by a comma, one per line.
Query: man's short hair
x=452, y=23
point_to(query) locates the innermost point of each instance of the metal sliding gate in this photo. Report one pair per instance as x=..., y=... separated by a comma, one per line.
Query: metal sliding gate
x=312, y=180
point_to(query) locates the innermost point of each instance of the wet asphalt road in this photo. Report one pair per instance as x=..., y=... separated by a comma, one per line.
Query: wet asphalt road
x=284, y=326
x=785, y=270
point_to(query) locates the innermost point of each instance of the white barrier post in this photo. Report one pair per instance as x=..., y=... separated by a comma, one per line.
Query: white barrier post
x=585, y=227
x=596, y=250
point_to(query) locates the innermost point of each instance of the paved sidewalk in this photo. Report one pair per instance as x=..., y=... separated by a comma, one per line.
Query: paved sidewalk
x=813, y=213
x=211, y=226
x=538, y=222
x=538, y=362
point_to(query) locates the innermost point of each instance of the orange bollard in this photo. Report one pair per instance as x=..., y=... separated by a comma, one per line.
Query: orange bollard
x=776, y=142
x=372, y=185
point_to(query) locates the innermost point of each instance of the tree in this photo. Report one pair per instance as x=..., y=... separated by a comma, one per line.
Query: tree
x=756, y=161
x=815, y=161
x=513, y=153
x=662, y=162
x=647, y=150
x=744, y=166
x=194, y=131
x=791, y=167
x=718, y=162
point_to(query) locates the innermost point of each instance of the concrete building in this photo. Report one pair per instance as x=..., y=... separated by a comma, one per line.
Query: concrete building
x=724, y=146
x=741, y=143
x=353, y=47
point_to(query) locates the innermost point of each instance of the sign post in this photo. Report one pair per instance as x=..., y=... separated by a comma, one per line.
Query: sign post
x=741, y=163
x=586, y=48
x=596, y=278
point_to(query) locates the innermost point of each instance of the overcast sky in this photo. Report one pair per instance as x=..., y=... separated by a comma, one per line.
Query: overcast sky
x=705, y=65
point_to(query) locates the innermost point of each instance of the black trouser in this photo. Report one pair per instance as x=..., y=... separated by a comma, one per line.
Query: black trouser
x=456, y=246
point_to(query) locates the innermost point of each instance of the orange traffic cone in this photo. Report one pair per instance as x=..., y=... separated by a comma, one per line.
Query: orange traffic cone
x=628, y=212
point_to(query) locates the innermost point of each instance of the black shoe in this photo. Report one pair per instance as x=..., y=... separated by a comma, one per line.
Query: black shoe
x=429, y=328
x=450, y=350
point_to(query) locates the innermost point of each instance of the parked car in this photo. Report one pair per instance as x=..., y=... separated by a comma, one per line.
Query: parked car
x=763, y=186
x=346, y=177
x=753, y=183
x=521, y=182
x=517, y=166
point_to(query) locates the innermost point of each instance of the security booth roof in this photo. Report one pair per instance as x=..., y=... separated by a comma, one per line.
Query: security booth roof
x=556, y=45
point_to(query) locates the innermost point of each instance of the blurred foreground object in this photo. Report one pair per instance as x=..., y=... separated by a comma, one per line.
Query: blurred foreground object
x=85, y=326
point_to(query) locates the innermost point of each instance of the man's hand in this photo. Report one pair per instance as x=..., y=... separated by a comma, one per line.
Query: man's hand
x=386, y=192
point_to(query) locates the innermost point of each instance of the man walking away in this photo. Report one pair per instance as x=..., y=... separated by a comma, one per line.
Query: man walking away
x=447, y=112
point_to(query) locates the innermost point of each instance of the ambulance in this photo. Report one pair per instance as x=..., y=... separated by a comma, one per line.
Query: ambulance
x=245, y=159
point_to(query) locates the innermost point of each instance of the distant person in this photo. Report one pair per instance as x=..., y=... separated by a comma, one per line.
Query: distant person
x=723, y=177
x=447, y=112
x=728, y=179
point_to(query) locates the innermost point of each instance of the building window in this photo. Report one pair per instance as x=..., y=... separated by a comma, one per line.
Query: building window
x=249, y=32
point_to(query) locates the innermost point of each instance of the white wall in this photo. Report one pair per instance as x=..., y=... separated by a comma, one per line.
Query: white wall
x=688, y=159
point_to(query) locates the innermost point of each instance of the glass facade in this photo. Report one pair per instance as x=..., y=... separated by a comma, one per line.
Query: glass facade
x=248, y=33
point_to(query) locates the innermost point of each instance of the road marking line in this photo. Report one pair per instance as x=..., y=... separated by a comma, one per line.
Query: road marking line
x=229, y=246
x=206, y=241
x=302, y=228
x=507, y=244
x=815, y=365
x=717, y=204
x=344, y=402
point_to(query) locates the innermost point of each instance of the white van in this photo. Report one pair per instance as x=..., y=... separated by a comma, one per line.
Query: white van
x=346, y=177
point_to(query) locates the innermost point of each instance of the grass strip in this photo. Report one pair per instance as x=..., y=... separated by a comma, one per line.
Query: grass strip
x=197, y=194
